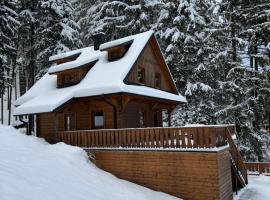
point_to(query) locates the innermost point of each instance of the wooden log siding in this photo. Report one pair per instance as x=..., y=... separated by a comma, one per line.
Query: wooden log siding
x=181, y=137
x=260, y=167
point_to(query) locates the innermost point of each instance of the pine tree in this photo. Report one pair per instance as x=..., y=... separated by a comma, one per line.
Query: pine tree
x=141, y=16
x=247, y=86
x=181, y=25
x=8, y=33
x=56, y=32
x=28, y=17
x=116, y=19
x=101, y=16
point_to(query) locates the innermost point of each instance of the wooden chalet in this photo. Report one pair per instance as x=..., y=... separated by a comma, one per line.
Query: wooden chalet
x=120, y=84
x=109, y=99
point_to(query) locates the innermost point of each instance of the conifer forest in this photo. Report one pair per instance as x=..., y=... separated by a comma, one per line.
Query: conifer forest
x=218, y=52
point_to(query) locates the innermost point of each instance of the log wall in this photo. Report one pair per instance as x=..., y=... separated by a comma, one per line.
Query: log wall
x=188, y=175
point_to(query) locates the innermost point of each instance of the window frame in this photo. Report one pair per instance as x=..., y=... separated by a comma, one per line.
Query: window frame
x=72, y=123
x=142, y=71
x=144, y=118
x=93, y=119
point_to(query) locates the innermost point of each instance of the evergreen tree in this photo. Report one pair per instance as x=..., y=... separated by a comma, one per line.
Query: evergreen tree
x=102, y=16
x=28, y=17
x=56, y=32
x=247, y=86
x=8, y=33
x=181, y=26
x=116, y=18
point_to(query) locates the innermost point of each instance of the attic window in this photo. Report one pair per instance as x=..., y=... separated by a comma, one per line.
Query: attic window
x=141, y=75
x=66, y=59
x=73, y=76
x=116, y=51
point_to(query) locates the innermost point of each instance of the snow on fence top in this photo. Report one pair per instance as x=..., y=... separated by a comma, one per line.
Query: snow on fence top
x=104, y=78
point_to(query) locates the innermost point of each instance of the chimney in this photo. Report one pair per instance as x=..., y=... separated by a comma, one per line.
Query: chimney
x=98, y=40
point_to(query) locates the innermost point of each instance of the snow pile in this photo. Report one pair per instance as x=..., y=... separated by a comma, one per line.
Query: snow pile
x=257, y=189
x=32, y=169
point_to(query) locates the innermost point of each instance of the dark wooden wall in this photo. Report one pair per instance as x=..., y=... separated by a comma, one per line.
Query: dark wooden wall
x=81, y=110
x=46, y=126
x=149, y=62
x=131, y=115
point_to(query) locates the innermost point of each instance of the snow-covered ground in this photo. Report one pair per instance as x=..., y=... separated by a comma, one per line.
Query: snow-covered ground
x=258, y=188
x=32, y=169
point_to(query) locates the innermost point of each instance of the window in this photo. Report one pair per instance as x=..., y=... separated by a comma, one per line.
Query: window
x=118, y=51
x=142, y=119
x=141, y=75
x=70, y=78
x=157, y=80
x=98, y=120
x=69, y=122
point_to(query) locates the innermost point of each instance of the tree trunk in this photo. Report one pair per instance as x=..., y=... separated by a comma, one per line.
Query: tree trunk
x=2, y=107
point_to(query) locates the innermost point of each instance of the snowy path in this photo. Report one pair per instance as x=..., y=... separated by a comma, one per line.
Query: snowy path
x=32, y=169
x=257, y=189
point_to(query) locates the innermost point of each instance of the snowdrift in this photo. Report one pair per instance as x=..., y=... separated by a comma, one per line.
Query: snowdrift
x=32, y=169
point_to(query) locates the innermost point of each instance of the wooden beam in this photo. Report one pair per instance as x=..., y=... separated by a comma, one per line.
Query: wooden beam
x=125, y=101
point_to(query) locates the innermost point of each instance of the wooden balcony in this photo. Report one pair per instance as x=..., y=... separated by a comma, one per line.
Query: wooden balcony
x=179, y=138
x=174, y=137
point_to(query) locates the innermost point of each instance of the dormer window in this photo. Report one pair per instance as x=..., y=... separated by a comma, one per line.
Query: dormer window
x=66, y=59
x=72, y=76
x=141, y=75
x=116, y=50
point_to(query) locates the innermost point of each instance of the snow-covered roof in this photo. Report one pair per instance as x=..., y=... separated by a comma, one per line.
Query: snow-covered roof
x=104, y=78
x=115, y=43
x=86, y=55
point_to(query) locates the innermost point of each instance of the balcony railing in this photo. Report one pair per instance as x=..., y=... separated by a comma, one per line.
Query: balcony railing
x=173, y=137
x=258, y=167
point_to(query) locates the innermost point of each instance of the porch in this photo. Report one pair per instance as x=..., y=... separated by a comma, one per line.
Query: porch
x=194, y=149
x=205, y=137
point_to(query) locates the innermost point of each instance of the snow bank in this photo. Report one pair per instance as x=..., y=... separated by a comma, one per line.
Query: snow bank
x=32, y=169
x=257, y=189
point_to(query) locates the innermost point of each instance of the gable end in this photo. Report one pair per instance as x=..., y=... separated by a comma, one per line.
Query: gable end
x=151, y=70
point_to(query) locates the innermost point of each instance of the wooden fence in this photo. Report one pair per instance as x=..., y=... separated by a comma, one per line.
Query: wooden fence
x=180, y=137
x=260, y=167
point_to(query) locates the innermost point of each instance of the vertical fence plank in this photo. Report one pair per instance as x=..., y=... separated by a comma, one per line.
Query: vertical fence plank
x=142, y=138
x=195, y=137
x=152, y=143
x=124, y=138
x=117, y=142
x=157, y=137
x=177, y=142
x=133, y=140
x=189, y=137
x=137, y=134
x=183, y=137
x=207, y=137
x=166, y=137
